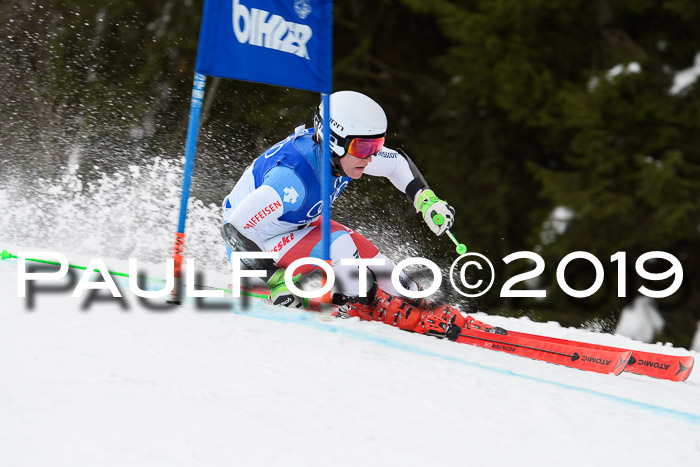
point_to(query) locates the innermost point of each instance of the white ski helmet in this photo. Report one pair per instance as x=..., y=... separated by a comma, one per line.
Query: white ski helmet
x=358, y=125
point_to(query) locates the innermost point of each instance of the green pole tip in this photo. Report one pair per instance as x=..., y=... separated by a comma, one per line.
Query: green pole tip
x=5, y=255
x=461, y=248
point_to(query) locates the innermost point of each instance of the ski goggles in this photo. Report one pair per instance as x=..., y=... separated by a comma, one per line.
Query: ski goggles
x=363, y=148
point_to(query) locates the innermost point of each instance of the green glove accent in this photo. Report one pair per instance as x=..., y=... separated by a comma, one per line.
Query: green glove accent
x=436, y=213
x=276, y=281
x=424, y=200
x=281, y=295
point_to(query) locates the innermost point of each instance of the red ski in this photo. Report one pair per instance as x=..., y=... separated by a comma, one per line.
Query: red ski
x=574, y=354
x=656, y=365
x=583, y=358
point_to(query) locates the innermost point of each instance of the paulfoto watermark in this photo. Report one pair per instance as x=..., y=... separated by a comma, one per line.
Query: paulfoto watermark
x=459, y=275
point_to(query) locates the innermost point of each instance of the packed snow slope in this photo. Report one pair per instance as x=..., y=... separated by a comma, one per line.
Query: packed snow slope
x=109, y=383
x=118, y=383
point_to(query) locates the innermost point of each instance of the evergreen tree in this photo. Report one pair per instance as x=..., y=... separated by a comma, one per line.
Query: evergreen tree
x=570, y=104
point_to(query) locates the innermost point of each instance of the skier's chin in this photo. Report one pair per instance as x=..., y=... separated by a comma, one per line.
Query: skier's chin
x=356, y=173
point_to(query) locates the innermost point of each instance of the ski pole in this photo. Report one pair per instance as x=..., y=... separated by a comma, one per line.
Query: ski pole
x=439, y=219
x=7, y=255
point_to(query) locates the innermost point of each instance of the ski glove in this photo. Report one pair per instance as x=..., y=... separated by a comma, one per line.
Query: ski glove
x=436, y=213
x=280, y=294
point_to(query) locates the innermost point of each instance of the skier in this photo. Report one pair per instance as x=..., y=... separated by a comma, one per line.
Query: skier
x=276, y=206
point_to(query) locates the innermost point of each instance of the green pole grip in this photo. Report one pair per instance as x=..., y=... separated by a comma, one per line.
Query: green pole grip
x=461, y=247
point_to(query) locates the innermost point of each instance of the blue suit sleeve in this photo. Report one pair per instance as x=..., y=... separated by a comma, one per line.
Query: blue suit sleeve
x=288, y=185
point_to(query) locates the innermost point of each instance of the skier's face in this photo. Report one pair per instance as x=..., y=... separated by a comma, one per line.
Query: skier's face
x=354, y=166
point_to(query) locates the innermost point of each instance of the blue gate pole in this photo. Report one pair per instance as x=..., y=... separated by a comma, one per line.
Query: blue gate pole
x=326, y=178
x=190, y=150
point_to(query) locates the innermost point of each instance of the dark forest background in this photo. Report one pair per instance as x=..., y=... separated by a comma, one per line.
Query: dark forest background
x=509, y=107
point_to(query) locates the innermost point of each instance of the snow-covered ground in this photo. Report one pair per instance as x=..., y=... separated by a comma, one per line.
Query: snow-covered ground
x=120, y=383
x=258, y=385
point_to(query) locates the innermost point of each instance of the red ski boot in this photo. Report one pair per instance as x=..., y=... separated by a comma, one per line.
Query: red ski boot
x=453, y=315
x=448, y=313
x=397, y=312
